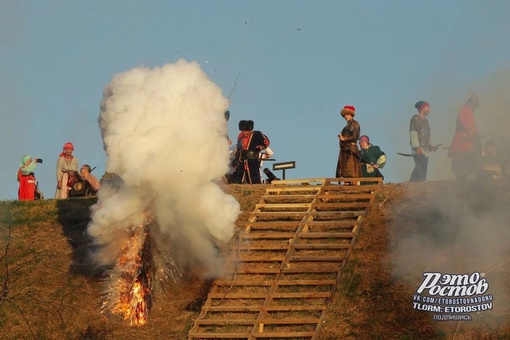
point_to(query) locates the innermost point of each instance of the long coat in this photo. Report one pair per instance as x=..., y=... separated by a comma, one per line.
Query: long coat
x=348, y=165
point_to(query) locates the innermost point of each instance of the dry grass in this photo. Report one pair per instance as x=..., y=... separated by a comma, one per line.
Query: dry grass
x=50, y=291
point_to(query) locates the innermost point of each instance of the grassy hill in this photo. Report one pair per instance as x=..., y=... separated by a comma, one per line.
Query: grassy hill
x=50, y=290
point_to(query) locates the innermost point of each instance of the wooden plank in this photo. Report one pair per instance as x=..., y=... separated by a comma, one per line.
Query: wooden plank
x=287, y=189
x=338, y=223
x=341, y=214
x=273, y=224
x=302, y=321
x=324, y=269
x=307, y=181
x=345, y=196
x=268, y=321
x=229, y=283
x=319, y=246
x=360, y=205
x=233, y=309
x=283, y=197
x=317, y=258
x=326, y=235
x=278, y=213
x=305, y=282
x=261, y=247
x=258, y=296
x=350, y=188
x=252, y=271
x=293, y=308
x=283, y=335
x=275, y=308
x=268, y=235
x=346, y=222
x=229, y=295
x=248, y=258
x=301, y=295
x=287, y=205
x=203, y=335
x=217, y=322
x=275, y=214
x=275, y=335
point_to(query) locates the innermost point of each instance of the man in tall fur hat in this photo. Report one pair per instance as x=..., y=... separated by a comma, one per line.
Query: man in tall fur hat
x=348, y=165
x=247, y=155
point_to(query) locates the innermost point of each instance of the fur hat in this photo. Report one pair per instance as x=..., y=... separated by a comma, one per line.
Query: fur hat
x=420, y=105
x=68, y=145
x=348, y=110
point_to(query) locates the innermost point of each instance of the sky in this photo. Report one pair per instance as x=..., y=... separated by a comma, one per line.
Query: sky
x=290, y=66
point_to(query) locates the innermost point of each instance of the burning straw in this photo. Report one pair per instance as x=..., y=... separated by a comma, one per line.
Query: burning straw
x=129, y=286
x=138, y=276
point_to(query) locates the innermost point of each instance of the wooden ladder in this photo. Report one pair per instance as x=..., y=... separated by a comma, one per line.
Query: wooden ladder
x=281, y=275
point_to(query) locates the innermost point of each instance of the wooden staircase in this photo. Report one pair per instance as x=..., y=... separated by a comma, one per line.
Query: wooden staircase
x=281, y=275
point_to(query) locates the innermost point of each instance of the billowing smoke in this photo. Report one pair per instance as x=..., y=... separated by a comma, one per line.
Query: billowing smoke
x=164, y=134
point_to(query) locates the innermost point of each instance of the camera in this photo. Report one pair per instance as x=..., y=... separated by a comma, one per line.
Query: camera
x=38, y=160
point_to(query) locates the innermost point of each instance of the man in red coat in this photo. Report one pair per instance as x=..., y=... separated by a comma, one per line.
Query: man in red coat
x=465, y=149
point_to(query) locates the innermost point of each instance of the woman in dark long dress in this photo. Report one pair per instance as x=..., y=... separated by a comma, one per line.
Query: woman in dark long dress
x=348, y=165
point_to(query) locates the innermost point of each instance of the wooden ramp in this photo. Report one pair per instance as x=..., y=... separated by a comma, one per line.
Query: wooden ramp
x=281, y=275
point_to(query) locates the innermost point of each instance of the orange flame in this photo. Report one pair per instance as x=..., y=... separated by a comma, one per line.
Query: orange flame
x=131, y=292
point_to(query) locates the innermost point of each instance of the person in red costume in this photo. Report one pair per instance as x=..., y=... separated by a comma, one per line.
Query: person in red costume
x=465, y=149
x=26, y=178
x=66, y=163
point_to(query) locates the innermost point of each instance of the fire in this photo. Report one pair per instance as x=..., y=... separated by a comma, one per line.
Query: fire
x=139, y=274
x=129, y=288
x=139, y=305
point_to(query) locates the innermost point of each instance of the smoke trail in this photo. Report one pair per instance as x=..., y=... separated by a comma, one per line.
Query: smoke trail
x=164, y=134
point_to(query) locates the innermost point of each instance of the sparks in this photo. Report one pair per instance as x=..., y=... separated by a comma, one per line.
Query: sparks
x=129, y=288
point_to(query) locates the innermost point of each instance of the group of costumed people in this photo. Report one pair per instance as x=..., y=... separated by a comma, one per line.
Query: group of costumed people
x=466, y=152
x=468, y=157
x=354, y=162
x=67, y=167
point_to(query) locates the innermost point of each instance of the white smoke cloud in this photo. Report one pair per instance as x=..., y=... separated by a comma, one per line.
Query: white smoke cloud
x=164, y=134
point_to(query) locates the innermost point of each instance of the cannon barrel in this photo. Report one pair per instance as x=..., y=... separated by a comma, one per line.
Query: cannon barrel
x=270, y=175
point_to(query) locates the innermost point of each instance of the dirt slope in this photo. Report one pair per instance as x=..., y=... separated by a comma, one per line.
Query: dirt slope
x=50, y=290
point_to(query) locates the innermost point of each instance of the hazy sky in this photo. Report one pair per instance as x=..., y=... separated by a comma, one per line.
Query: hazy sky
x=288, y=65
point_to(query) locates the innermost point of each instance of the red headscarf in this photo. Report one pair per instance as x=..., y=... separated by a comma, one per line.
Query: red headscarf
x=67, y=146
